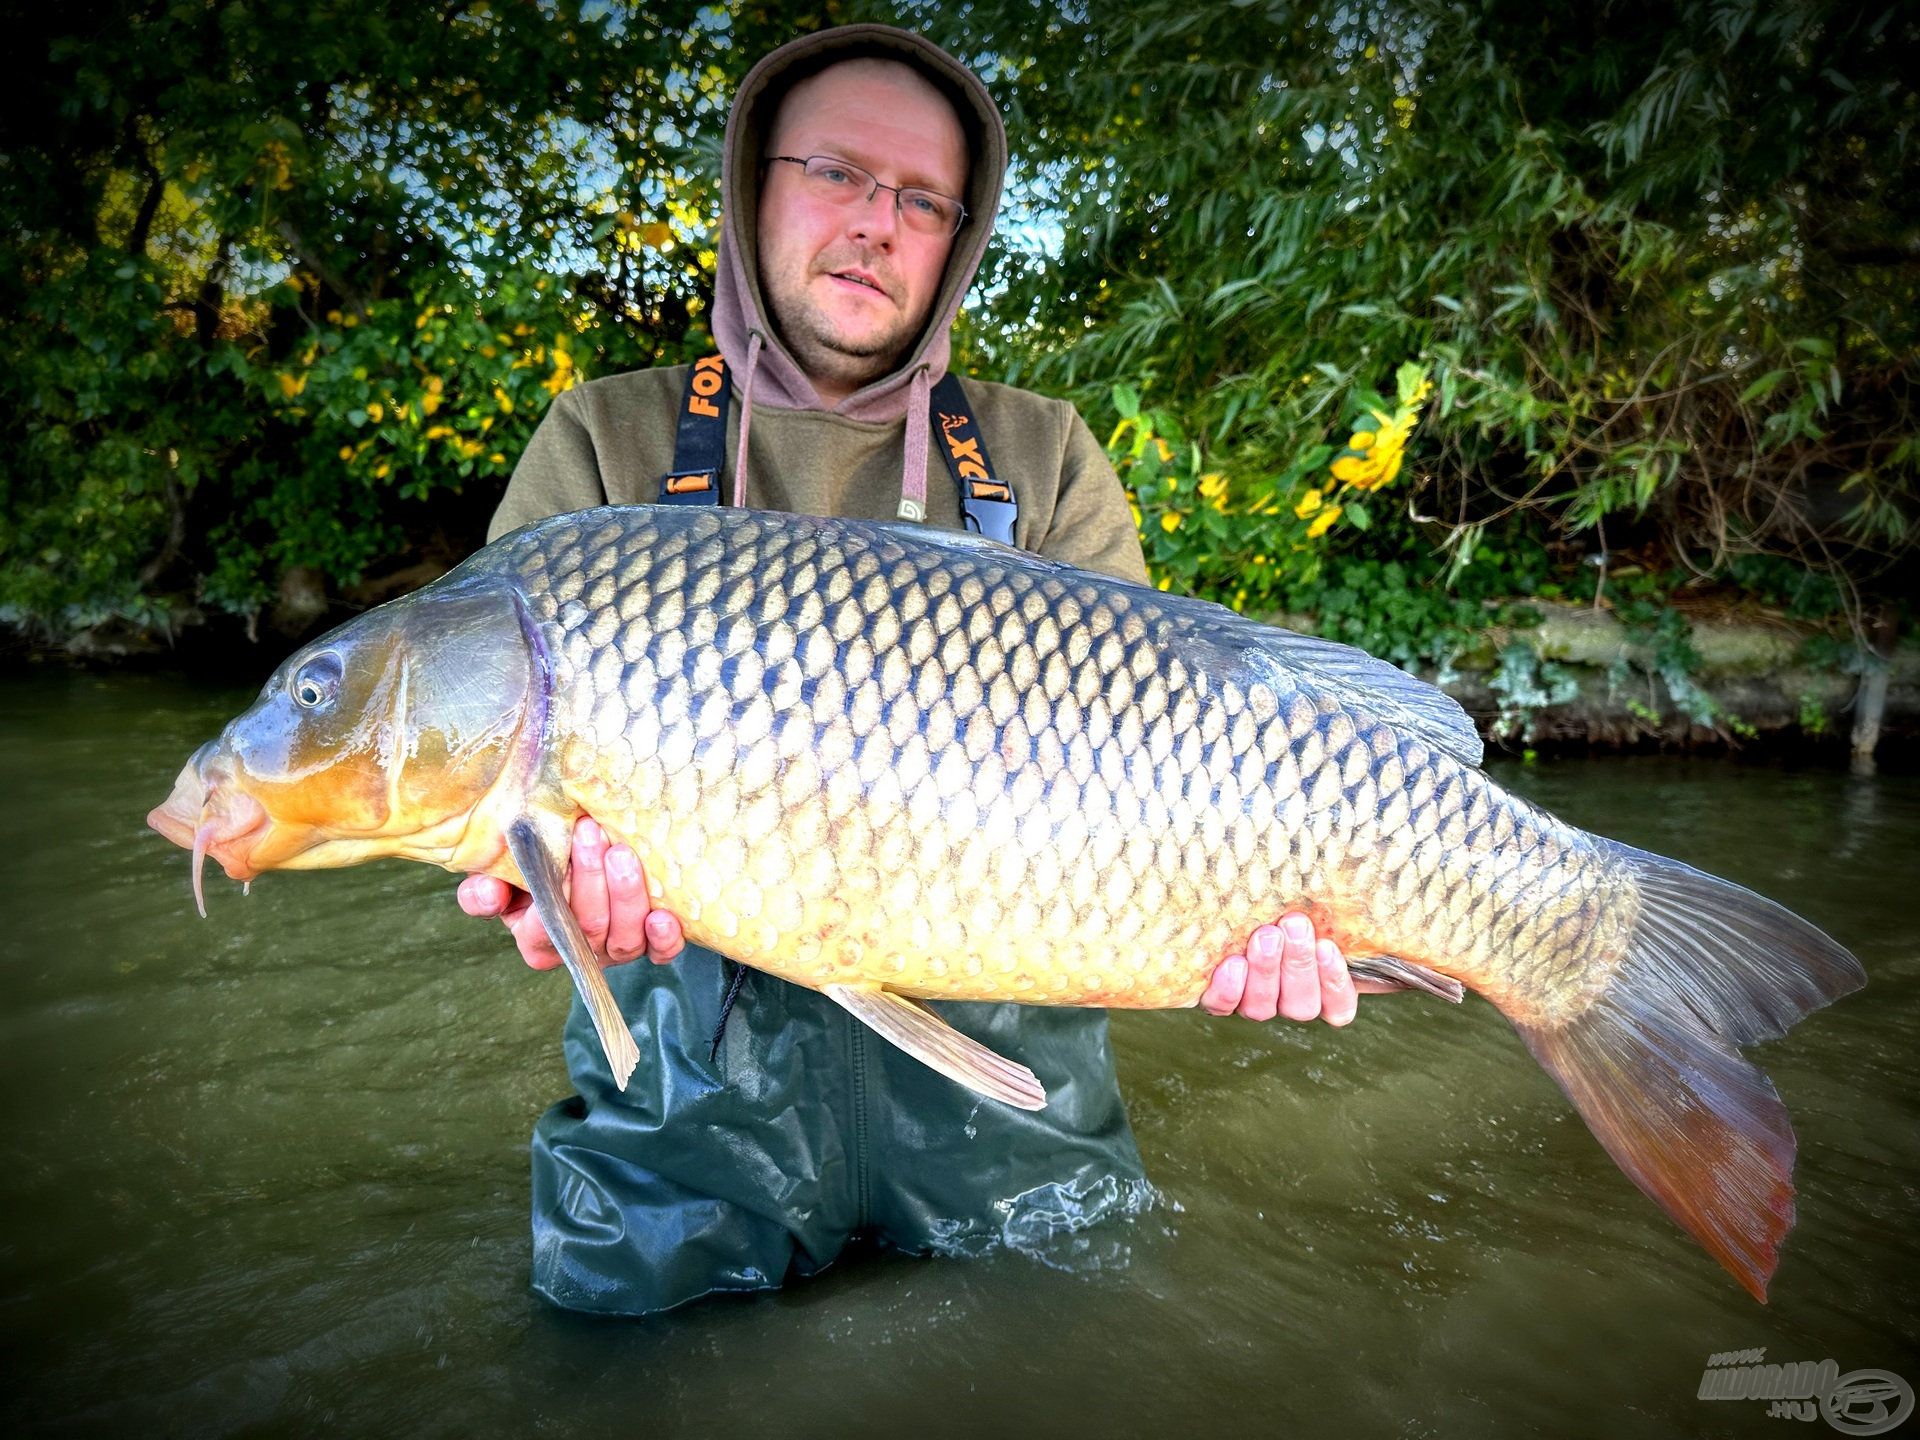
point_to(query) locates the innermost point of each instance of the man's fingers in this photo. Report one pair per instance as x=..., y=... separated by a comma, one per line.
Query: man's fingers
x=1338, y=1002
x=664, y=941
x=529, y=934
x=1299, y=969
x=627, y=906
x=664, y=938
x=483, y=897
x=1228, y=984
x=1261, y=999
x=587, y=881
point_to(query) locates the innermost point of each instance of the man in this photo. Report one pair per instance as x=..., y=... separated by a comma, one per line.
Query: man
x=863, y=170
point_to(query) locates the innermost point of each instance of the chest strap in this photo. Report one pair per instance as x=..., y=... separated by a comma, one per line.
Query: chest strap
x=700, y=436
x=987, y=502
x=700, y=450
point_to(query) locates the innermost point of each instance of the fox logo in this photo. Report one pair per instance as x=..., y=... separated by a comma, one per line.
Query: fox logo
x=965, y=449
x=708, y=375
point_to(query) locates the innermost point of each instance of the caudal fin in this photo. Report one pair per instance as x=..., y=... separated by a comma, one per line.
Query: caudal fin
x=1652, y=1065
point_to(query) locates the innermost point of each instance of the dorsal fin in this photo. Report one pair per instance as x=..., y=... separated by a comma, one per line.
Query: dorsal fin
x=1359, y=680
x=1377, y=686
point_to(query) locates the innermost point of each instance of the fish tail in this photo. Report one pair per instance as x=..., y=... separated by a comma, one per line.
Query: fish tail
x=1652, y=1065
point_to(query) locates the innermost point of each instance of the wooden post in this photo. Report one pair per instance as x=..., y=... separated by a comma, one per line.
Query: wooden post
x=1871, y=705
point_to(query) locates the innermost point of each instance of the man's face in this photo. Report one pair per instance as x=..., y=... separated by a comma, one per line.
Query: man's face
x=850, y=286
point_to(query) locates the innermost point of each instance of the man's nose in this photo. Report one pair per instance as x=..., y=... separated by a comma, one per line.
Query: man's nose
x=877, y=221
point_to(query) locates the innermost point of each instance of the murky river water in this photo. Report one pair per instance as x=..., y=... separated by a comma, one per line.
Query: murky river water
x=268, y=1174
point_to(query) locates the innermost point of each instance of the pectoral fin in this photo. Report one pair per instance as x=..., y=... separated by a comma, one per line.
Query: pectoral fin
x=542, y=875
x=933, y=1042
x=1405, y=975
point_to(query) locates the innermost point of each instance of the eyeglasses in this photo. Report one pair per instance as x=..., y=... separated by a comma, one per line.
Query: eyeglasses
x=838, y=183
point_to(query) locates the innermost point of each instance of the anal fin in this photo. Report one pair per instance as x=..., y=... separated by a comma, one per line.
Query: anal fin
x=1405, y=975
x=934, y=1043
x=542, y=874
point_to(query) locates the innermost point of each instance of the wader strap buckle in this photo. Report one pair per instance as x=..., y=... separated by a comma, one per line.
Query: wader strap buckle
x=988, y=504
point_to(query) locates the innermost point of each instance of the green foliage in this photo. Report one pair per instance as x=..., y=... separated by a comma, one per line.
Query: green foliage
x=1525, y=683
x=1655, y=260
x=1658, y=258
x=289, y=285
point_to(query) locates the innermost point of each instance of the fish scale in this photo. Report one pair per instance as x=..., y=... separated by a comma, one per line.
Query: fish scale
x=943, y=735
x=893, y=764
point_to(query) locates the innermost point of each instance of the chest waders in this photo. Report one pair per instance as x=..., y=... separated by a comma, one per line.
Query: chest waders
x=750, y=1149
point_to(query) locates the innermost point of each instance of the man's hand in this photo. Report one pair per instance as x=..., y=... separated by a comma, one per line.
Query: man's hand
x=1286, y=971
x=608, y=892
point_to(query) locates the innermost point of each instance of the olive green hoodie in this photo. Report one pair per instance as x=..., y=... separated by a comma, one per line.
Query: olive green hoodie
x=736, y=1167
x=870, y=456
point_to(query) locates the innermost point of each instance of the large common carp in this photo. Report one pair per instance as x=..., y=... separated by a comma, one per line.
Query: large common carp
x=895, y=764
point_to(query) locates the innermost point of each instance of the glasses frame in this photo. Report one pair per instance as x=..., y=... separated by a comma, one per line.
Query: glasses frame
x=803, y=161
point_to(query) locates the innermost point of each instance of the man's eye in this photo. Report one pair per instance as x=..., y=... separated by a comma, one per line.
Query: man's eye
x=833, y=175
x=923, y=204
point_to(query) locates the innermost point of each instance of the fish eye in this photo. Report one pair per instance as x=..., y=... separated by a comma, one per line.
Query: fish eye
x=317, y=681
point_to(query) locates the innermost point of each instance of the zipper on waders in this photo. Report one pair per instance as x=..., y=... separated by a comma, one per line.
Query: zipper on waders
x=858, y=1056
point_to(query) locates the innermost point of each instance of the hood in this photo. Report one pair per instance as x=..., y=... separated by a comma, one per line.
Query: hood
x=738, y=307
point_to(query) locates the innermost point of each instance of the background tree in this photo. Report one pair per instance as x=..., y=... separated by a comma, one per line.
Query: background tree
x=1371, y=297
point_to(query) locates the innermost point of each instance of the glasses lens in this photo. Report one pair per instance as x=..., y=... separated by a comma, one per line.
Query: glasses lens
x=838, y=181
x=842, y=184
x=929, y=213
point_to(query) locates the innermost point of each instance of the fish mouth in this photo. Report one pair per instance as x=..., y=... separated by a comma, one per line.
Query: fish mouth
x=209, y=815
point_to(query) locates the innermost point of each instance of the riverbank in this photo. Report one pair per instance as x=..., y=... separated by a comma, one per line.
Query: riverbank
x=1595, y=683
x=1572, y=679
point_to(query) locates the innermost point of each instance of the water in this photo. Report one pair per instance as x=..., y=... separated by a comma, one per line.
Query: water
x=267, y=1174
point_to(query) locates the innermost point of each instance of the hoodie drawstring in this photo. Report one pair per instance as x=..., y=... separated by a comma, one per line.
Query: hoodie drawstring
x=755, y=340
x=913, y=476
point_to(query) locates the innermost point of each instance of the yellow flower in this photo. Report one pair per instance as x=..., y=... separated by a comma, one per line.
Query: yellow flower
x=504, y=400
x=1166, y=450
x=1323, y=522
x=1360, y=440
x=1394, y=431
x=349, y=321
x=376, y=411
x=1169, y=521
x=1357, y=470
x=1213, y=489
x=434, y=384
x=437, y=432
x=1138, y=518
x=497, y=458
x=346, y=452
x=1309, y=503
x=1368, y=472
x=563, y=376
x=291, y=385
x=382, y=470
x=657, y=235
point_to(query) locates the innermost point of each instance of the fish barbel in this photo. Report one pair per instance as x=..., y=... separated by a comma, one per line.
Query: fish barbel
x=895, y=764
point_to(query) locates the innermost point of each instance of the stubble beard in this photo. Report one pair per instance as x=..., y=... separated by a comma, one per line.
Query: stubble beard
x=826, y=351
x=823, y=350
